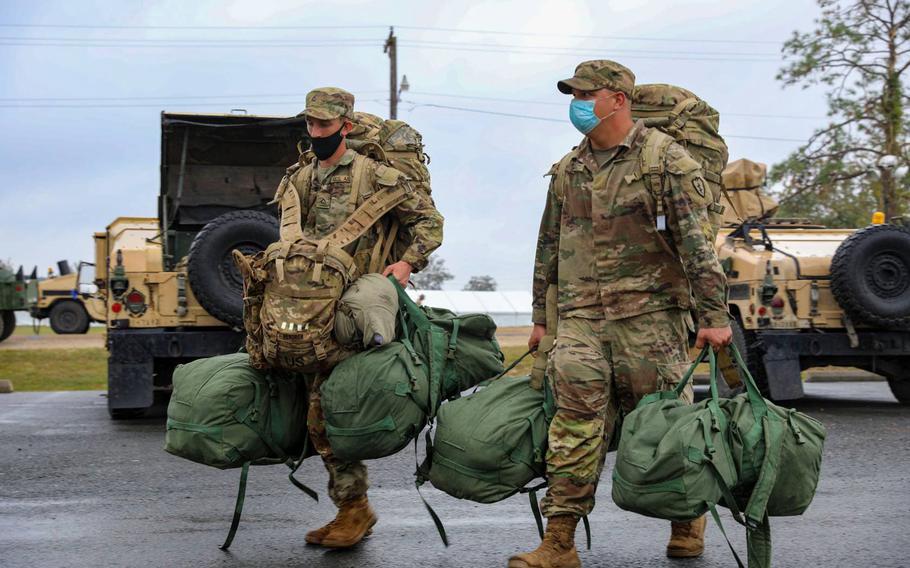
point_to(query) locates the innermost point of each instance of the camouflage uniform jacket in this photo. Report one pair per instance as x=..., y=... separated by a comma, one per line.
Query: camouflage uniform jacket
x=326, y=205
x=599, y=239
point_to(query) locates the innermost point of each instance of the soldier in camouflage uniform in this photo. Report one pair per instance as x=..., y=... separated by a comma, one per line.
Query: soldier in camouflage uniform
x=628, y=272
x=330, y=187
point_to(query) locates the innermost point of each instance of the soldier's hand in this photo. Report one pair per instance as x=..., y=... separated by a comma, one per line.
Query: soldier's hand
x=717, y=337
x=401, y=270
x=536, y=334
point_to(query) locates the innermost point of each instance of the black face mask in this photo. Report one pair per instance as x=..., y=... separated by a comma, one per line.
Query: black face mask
x=325, y=146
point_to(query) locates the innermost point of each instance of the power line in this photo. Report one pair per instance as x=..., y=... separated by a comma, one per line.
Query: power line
x=580, y=36
x=589, y=53
x=167, y=97
x=366, y=27
x=27, y=102
x=553, y=103
x=576, y=48
x=180, y=44
x=222, y=104
x=547, y=119
x=156, y=27
x=296, y=41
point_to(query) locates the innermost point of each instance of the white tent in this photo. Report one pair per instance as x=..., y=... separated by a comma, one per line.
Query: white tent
x=510, y=308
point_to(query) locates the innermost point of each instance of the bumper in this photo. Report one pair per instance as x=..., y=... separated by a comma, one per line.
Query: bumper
x=131, y=379
x=786, y=353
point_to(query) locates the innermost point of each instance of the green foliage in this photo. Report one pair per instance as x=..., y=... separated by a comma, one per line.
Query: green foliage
x=484, y=283
x=433, y=276
x=859, y=51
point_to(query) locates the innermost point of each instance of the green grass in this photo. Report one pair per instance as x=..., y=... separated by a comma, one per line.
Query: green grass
x=26, y=329
x=54, y=369
x=514, y=352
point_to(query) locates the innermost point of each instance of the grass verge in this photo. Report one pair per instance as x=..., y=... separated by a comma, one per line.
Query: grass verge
x=26, y=329
x=54, y=369
x=514, y=352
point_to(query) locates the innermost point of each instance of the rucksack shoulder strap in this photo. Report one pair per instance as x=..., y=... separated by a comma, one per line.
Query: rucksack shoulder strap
x=288, y=198
x=652, y=161
x=559, y=170
x=373, y=207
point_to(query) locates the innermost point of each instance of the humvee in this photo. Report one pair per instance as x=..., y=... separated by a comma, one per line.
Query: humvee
x=803, y=295
x=63, y=300
x=170, y=290
x=12, y=299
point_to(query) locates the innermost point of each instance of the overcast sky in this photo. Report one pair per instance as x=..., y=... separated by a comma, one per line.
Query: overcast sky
x=80, y=101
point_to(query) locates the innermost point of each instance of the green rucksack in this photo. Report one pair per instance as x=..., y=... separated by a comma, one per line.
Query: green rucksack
x=378, y=400
x=225, y=413
x=491, y=444
x=676, y=461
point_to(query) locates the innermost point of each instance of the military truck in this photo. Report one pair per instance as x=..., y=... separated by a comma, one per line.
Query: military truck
x=803, y=295
x=12, y=299
x=170, y=290
x=64, y=301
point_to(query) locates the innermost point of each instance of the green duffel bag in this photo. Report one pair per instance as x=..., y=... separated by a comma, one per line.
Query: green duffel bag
x=378, y=400
x=225, y=413
x=490, y=444
x=461, y=350
x=375, y=402
x=472, y=352
x=676, y=461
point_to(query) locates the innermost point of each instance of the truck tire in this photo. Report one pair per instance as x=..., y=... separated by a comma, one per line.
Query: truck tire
x=739, y=339
x=900, y=388
x=870, y=276
x=214, y=279
x=69, y=317
x=7, y=323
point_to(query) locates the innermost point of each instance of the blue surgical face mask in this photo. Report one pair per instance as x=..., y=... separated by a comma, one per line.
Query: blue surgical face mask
x=581, y=113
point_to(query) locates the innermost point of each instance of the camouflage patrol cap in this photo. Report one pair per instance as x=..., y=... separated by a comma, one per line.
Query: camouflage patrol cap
x=327, y=103
x=599, y=74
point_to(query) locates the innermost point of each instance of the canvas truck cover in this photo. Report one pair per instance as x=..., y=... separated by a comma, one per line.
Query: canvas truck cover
x=214, y=164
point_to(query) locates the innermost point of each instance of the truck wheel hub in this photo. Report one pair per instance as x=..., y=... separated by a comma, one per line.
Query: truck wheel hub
x=229, y=272
x=887, y=275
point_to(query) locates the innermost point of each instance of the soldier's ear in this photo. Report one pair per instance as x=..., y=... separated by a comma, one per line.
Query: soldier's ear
x=347, y=127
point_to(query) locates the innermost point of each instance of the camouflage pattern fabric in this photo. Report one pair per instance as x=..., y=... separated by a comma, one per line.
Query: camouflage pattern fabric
x=597, y=368
x=603, y=246
x=599, y=74
x=347, y=480
x=327, y=204
x=327, y=103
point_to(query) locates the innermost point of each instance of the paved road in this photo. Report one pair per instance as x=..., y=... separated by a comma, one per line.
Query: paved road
x=79, y=490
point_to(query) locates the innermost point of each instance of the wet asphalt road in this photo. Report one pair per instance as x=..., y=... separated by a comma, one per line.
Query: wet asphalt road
x=79, y=490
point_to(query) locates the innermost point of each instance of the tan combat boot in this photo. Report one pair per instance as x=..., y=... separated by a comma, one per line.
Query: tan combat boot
x=557, y=550
x=354, y=521
x=687, y=539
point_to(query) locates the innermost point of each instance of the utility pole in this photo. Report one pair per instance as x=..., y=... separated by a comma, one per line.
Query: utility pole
x=391, y=45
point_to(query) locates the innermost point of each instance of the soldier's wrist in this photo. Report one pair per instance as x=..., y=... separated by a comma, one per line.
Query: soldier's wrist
x=416, y=262
x=713, y=320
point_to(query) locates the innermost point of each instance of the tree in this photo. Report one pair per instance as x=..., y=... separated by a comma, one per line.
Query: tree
x=483, y=283
x=433, y=276
x=860, y=50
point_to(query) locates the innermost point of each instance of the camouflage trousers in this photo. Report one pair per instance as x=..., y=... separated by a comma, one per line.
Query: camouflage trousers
x=597, y=368
x=347, y=480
